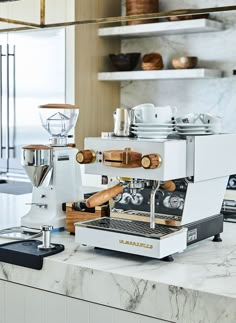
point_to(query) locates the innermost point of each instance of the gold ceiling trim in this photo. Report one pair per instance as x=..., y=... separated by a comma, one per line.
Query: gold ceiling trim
x=42, y=12
x=19, y=22
x=109, y=20
x=157, y=15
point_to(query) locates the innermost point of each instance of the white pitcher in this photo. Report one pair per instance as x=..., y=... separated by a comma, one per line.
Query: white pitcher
x=122, y=122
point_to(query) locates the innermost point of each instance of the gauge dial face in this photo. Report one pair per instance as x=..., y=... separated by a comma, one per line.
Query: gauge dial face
x=232, y=183
x=175, y=202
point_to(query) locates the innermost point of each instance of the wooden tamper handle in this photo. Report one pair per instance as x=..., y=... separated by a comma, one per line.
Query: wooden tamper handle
x=104, y=196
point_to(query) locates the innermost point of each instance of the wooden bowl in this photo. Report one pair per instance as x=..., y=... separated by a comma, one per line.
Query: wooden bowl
x=125, y=62
x=185, y=62
x=152, y=61
x=138, y=7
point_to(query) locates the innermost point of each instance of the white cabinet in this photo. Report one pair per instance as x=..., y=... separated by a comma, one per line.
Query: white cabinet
x=24, y=10
x=23, y=304
x=33, y=303
x=29, y=11
x=60, y=11
x=14, y=303
x=77, y=311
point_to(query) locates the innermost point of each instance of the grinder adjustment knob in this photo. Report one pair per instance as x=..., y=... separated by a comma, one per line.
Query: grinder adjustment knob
x=86, y=157
x=151, y=161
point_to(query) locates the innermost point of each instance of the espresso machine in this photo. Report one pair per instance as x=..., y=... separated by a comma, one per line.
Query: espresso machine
x=165, y=194
x=52, y=169
x=229, y=203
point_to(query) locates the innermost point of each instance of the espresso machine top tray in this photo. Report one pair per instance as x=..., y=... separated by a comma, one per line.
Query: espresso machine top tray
x=130, y=227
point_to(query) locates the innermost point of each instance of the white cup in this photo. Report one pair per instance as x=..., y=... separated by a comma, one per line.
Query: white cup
x=143, y=106
x=158, y=115
x=214, y=121
x=188, y=118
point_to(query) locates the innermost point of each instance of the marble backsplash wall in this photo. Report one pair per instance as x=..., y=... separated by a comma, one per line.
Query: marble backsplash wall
x=215, y=50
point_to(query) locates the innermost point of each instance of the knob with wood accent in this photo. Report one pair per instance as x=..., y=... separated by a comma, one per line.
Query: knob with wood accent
x=86, y=157
x=151, y=161
x=169, y=186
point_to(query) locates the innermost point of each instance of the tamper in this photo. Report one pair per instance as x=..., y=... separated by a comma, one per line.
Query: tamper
x=46, y=230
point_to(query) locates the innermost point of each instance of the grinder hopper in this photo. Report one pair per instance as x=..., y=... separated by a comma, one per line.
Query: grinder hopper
x=58, y=120
x=37, y=161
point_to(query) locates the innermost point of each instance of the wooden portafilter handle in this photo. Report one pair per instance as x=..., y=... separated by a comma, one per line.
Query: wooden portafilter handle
x=169, y=186
x=104, y=196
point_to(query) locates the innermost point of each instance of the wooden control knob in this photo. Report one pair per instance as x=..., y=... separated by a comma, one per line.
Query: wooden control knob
x=169, y=186
x=86, y=157
x=151, y=161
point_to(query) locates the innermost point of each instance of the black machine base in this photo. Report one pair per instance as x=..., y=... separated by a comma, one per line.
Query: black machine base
x=206, y=228
x=26, y=253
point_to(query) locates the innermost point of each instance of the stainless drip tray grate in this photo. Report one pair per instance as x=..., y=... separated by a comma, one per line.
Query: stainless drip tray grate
x=129, y=227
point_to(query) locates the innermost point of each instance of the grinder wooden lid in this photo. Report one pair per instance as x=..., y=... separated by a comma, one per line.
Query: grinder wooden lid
x=58, y=106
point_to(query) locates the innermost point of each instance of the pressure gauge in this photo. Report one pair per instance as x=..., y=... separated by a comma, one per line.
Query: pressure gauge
x=232, y=182
x=175, y=202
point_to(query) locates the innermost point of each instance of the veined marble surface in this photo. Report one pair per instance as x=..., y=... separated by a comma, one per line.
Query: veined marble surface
x=198, y=287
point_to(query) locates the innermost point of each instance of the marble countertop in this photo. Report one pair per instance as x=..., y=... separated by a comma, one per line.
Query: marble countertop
x=198, y=287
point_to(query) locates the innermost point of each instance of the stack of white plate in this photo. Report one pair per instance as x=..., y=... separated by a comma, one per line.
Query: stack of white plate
x=193, y=129
x=152, y=130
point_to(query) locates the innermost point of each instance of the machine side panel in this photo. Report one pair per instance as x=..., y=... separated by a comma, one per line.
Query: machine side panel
x=175, y=160
x=214, y=156
x=203, y=199
x=169, y=150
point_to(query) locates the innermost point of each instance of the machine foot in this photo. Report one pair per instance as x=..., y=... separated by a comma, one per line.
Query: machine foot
x=217, y=238
x=168, y=259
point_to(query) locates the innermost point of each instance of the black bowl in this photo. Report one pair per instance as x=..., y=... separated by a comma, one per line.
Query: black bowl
x=125, y=62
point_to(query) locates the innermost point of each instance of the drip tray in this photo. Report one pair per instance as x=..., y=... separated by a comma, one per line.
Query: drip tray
x=130, y=227
x=26, y=253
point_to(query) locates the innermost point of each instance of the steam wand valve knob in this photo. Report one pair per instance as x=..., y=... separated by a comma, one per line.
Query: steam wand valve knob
x=151, y=161
x=86, y=157
x=46, y=245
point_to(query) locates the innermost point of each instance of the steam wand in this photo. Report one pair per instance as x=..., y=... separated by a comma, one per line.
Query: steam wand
x=155, y=188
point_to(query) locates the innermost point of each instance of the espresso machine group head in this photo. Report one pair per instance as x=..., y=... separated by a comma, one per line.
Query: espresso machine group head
x=173, y=198
x=52, y=169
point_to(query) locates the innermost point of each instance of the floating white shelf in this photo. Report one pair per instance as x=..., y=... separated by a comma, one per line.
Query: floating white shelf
x=197, y=73
x=162, y=28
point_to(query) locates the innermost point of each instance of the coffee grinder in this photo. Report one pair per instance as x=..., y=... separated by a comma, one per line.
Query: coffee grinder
x=52, y=169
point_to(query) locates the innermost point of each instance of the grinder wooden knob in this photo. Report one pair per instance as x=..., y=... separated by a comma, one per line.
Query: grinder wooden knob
x=86, y=157
x=151, y=161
